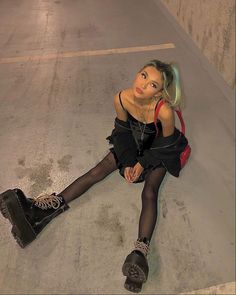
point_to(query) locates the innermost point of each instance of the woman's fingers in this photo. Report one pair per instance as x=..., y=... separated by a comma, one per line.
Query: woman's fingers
x=127, y=174
x=130, y=174
x=133, y=174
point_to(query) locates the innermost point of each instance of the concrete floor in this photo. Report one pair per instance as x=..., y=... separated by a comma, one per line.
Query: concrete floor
x=55, y=116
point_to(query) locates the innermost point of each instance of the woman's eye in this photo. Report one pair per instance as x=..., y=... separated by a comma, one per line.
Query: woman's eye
x=143, y=75
x=154, y=85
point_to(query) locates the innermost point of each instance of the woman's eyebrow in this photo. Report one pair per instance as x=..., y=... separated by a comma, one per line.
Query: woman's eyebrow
x=152, y=80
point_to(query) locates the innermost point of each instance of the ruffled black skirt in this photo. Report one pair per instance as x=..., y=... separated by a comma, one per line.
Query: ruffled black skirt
x=143, y=174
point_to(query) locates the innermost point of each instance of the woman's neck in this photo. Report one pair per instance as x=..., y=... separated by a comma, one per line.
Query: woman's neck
x=143, y=102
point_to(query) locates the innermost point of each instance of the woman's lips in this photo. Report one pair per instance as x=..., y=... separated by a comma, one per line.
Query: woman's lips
x=139, y=90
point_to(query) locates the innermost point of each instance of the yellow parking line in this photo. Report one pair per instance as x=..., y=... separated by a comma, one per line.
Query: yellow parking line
x=16, y=59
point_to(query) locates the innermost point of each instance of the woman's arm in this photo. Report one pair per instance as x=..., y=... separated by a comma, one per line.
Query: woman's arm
x=122, y=138
x=166, y=148
x=167, y=118
x=120, y=112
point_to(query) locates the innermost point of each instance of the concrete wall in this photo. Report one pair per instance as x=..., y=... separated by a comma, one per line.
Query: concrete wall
x=211, y=24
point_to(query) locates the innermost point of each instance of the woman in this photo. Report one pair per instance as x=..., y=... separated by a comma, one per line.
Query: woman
x=140, y=153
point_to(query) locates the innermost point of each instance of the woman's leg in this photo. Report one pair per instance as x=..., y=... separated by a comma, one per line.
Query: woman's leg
x=135, y=267
x=148, y=217
x=29, y=216
x=94, y=175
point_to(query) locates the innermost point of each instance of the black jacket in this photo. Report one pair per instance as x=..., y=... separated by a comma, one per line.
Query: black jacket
x=165, y=150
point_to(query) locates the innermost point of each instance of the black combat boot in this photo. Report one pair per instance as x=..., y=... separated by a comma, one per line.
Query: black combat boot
x=29, y=216
x=135, y=267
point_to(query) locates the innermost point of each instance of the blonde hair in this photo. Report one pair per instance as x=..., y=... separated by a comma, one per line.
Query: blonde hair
x=172, y=86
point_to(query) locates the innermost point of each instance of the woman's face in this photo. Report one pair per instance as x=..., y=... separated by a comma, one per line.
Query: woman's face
x=148, y=83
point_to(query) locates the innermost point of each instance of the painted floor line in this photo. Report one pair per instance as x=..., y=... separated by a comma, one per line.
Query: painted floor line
x=223, y=289
x=16, y=59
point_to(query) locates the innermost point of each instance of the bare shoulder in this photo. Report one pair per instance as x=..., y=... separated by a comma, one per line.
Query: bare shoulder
x=125, y=96
x=166, y=112
x=120, y=105
x=167, y=118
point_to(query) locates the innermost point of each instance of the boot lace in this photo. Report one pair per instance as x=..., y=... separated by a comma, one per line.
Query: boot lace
x=46, y=201
x=142, y=247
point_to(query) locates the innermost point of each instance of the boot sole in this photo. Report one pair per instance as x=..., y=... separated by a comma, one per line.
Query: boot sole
x=132, y=270
x=12, y=210
x=133, y=286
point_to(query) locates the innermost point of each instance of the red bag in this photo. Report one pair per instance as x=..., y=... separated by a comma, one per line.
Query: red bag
x=187, y=151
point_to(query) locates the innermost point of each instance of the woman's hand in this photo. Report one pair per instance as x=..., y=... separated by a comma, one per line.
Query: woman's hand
x=132, y=173
x=128, y=173
x=137, y=171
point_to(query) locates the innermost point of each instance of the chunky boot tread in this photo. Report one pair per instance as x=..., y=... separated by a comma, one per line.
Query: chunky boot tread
x=135, y=267
x=11, y=209
x=133, y=286
x=134, y=272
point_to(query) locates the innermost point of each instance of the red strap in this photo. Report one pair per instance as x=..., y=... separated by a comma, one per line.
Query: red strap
x=160, y=104
x=181, y=120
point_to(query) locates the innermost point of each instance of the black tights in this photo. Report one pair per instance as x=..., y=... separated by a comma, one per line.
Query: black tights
x=94, y=175
x=153, y=180
x=148, y=217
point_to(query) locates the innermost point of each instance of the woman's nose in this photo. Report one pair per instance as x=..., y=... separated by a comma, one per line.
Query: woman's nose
x=144, y=85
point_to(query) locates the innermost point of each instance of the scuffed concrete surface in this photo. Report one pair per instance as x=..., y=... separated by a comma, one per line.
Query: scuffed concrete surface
x=211, y=25
x=55, y=116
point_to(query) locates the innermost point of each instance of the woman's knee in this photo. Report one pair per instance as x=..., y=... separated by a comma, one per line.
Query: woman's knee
x=110, y=161
x=152, y=184
x=150, y=194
